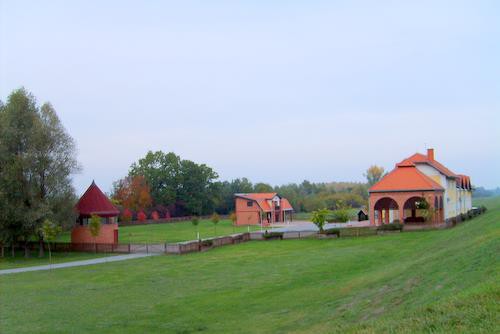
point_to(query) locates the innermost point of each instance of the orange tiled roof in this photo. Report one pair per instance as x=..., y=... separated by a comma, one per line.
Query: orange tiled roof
x=421, y=158
x=405, y=177
x=285, y=204
x=464, y=182
x=264, y=205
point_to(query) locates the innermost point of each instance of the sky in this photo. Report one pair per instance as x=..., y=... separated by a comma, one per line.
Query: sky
x=275, y=91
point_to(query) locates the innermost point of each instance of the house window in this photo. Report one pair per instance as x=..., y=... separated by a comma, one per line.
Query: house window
x=250, y=203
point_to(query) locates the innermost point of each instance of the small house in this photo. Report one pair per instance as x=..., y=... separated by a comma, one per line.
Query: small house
x=262, y=209
x=362, y=215
x=94, y=202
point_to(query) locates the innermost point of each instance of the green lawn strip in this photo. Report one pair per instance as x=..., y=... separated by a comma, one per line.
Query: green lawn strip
x=20, y=261
x=172, y=232
x=434, y=281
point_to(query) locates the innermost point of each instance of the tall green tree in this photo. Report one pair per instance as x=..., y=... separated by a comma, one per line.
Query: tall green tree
x=163, y=175
x=263, y=188
x=37, y=158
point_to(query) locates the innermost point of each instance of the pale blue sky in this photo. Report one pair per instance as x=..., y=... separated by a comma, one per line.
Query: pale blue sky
x=276, y=91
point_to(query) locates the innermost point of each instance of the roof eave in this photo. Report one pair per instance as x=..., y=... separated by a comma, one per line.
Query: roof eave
x=403, y=190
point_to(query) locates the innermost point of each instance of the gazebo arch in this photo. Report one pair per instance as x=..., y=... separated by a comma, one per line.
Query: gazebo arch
x=386, y=210
x=413, y=211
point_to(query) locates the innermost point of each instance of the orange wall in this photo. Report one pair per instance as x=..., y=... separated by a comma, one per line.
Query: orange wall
x=247, y=215
x=81, y=234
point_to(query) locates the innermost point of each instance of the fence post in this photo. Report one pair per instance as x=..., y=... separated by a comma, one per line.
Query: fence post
x=129, y=247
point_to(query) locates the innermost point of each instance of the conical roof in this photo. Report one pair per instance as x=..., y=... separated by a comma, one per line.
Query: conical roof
x=93, y=201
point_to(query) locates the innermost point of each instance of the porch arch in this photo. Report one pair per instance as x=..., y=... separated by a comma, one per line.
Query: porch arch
x=412, y=210
x=386, y=210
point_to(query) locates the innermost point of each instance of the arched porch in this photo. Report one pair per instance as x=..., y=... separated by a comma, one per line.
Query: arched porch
x=406, y=207
x=386, y=211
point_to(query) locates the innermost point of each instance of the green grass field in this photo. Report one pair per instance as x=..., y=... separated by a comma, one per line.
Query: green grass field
x=172, y=232
x=19, y=260
x=444, y=281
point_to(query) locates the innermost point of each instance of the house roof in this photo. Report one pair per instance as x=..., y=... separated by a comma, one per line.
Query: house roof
x=406, y=177
x=419, y=158
x=262, y=200
x=285, y=204
x=93, y=201
x=464, y=182
x=257, y=196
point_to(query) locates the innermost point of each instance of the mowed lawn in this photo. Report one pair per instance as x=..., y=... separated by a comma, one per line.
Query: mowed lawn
x=19, y=260
x=427, y=282
x=173, y=232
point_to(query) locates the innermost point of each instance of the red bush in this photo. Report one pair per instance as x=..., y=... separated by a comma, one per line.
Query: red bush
x=141, y=216
x=126, y=215
x=155, y=215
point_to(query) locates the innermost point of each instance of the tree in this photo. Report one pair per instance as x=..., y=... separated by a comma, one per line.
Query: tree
x=37, y=159
x=195, y=221
x=50, y=231
x=374, y=174
x=215, y=220
x=319, y=218
x=263, y=188
x=233, y=219
x=133, y=192
x=95, y=228
x=162, y=172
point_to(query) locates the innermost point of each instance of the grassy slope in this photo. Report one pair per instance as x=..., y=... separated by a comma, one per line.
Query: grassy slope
x=439, y=281
x=20, y=261
x=174, y=232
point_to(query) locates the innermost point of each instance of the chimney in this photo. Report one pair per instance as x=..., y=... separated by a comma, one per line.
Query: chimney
x=430, y=154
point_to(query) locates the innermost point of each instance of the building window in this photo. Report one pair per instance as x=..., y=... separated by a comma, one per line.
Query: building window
x=250, y=203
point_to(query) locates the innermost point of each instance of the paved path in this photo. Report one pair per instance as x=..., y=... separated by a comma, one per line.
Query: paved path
x=303, y=226
x=75, y=263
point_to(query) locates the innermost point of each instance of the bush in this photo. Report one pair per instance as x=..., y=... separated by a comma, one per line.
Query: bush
x=463, y=217
x=390, y=227
x=126, y=215
x=332, y=231
x=342, y=215
x=141, y=216
x=483, y=209
x=273, y=235
x=155, y=215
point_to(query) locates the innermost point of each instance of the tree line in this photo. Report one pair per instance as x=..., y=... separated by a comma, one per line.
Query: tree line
x=163, y=184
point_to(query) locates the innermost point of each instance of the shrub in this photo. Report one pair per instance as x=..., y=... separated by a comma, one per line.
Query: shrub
x=126, y=215
x=390, y=227
x=155, y=215
x=342, y=215
x=463, y=217
x=332, y=231
x=273, y=235
x=141, y=216
x=319, y=218
x=483, y=209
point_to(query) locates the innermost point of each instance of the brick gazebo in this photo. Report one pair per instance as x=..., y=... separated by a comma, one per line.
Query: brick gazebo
x=403, y=195
x=94, y=202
